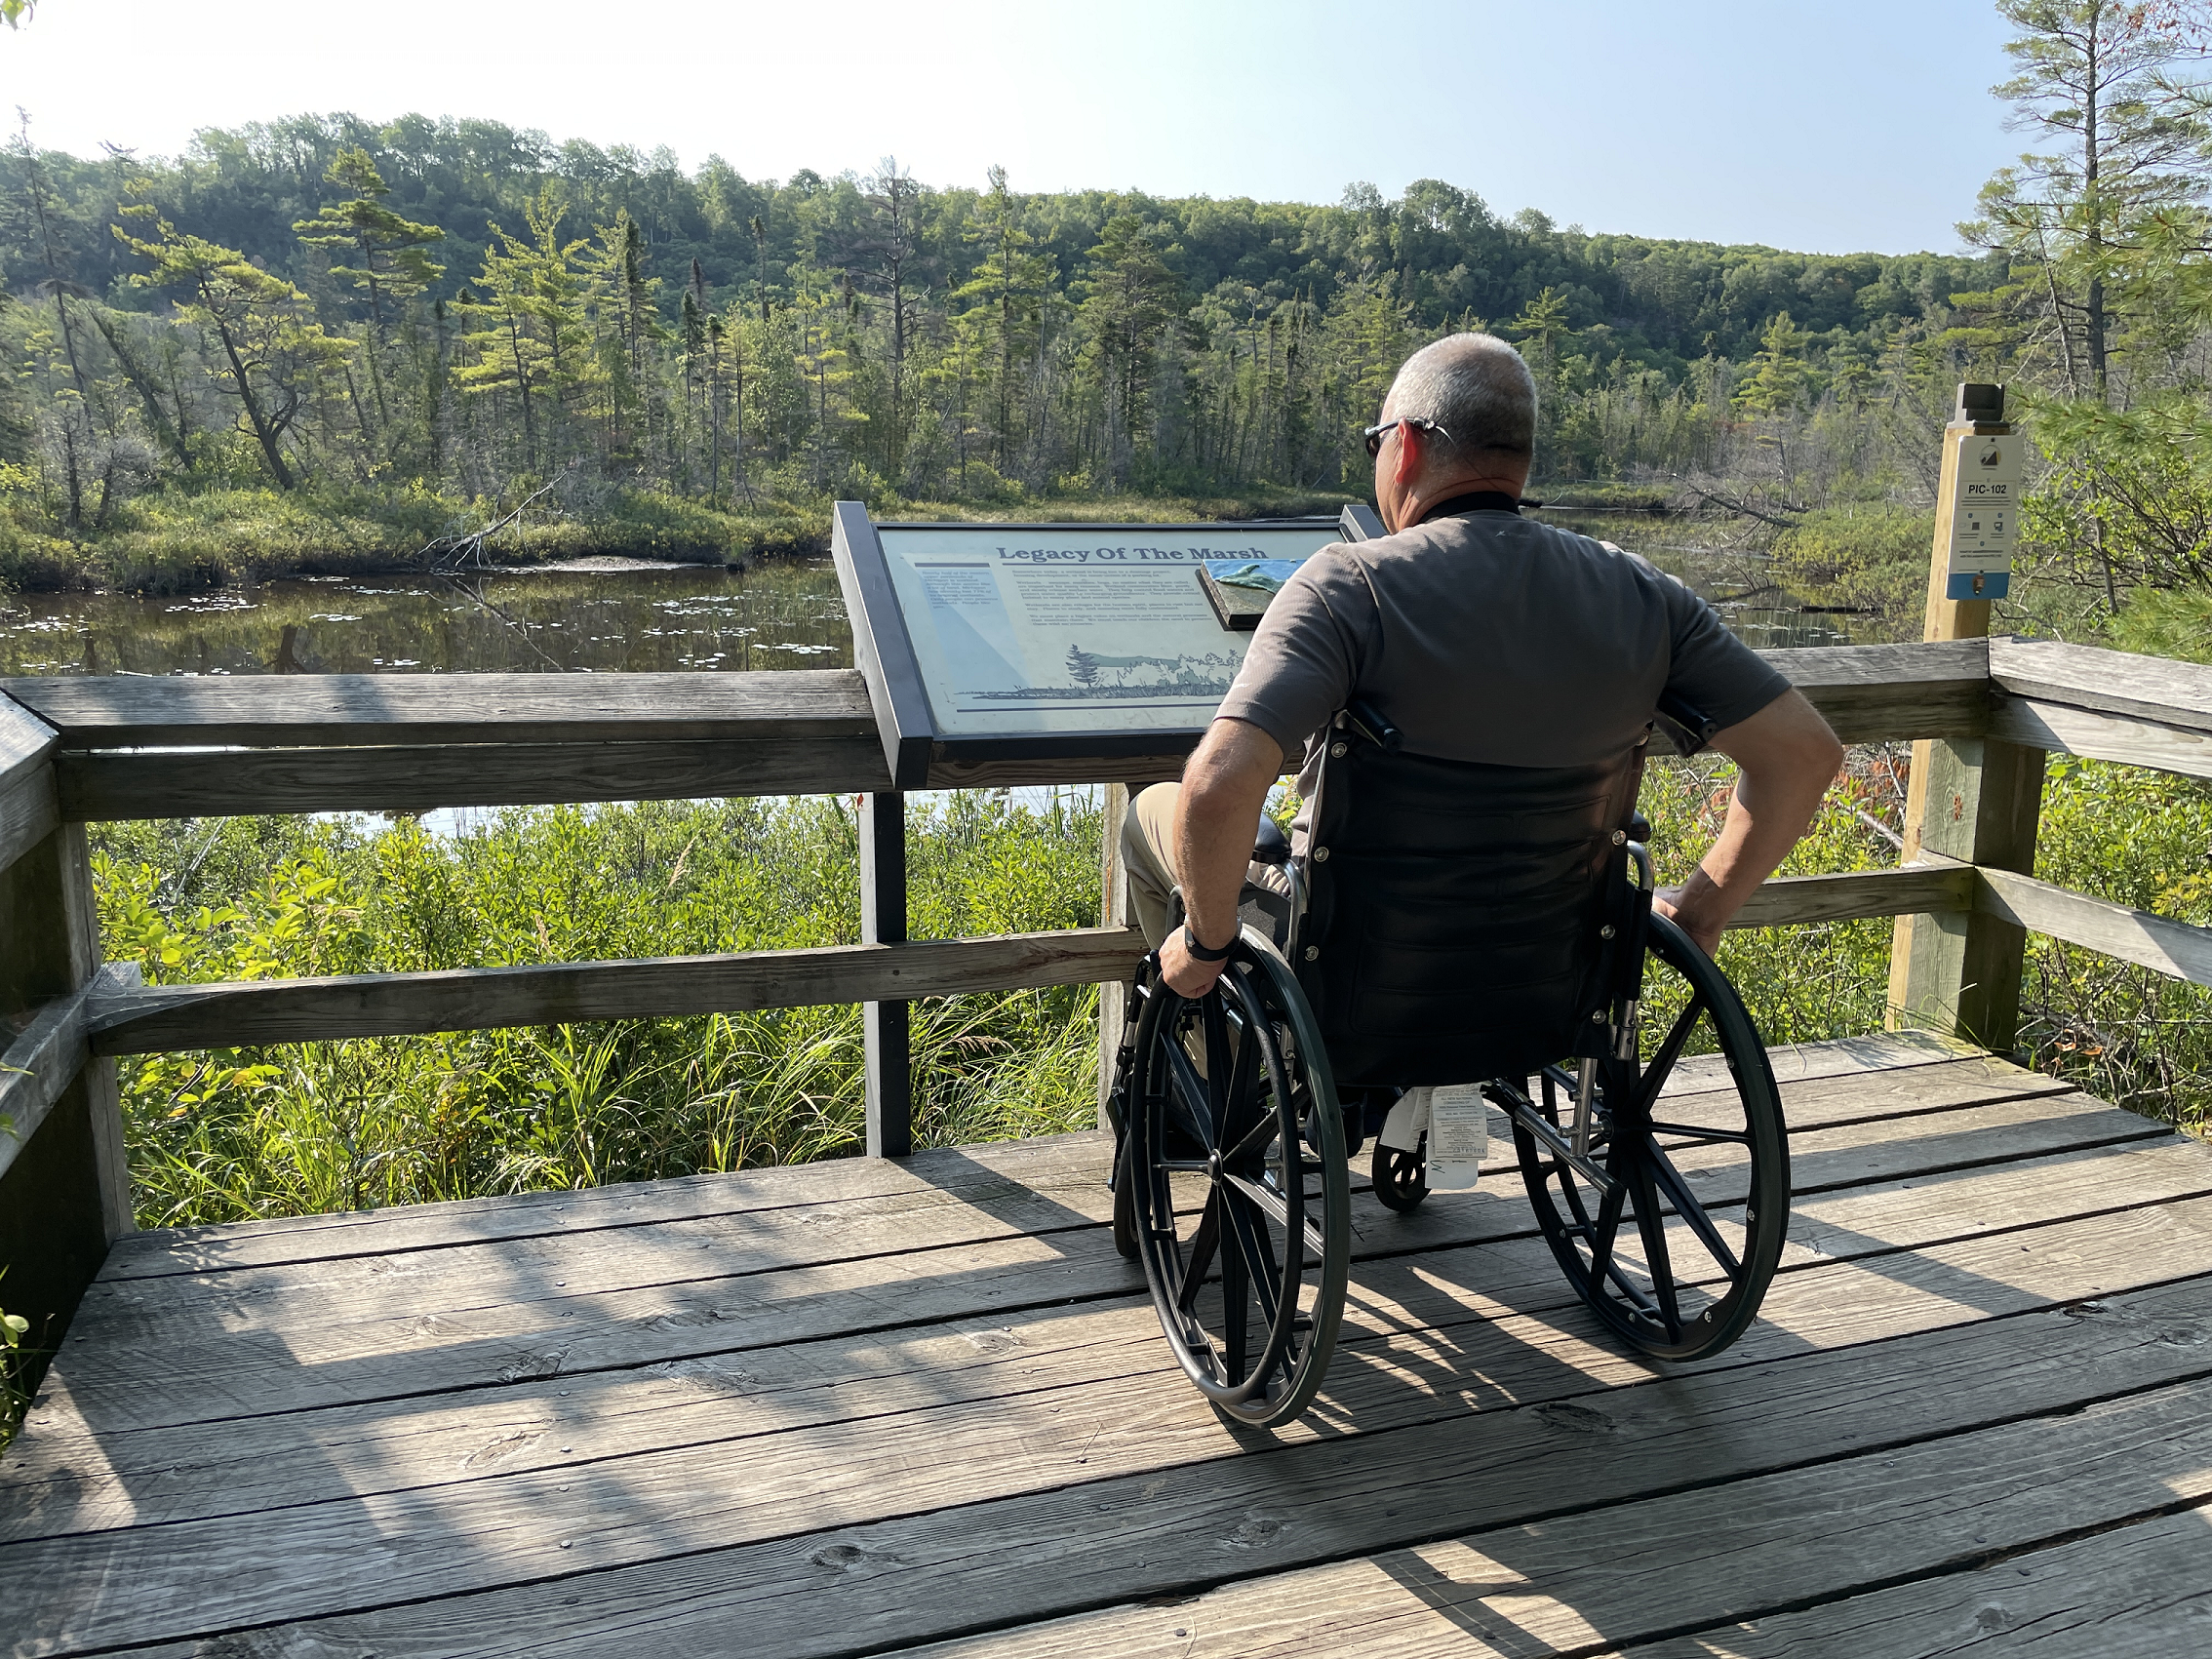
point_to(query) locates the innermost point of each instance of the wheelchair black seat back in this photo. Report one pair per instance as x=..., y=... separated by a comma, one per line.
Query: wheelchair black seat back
x=1455, y=914
x=1450, y=924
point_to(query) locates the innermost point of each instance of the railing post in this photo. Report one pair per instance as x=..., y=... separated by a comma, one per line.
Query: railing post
x=68, y=1190
x=1972, y=799
x=1113, y=912
x=883, y=921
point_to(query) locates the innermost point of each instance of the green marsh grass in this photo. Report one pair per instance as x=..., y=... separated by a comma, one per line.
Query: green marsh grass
x=246, y=1133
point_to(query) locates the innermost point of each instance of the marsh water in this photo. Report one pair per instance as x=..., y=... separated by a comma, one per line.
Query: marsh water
x=599, y=614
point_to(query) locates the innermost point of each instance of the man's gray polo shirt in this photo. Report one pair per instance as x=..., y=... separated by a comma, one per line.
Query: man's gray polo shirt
x=1489, y=637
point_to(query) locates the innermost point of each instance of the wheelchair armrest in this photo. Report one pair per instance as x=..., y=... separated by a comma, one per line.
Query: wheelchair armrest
x=1368, y=722
x=1687, y=725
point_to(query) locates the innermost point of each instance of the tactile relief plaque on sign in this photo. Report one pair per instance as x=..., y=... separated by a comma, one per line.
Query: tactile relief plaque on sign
x=1019, y=629
x=1985, y=519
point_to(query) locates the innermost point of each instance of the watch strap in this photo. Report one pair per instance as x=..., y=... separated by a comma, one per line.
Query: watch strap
x=1198, y=953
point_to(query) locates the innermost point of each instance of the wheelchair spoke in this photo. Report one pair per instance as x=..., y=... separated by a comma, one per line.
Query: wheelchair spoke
x=1662, y=1064
x=1652, y=1227
x=1187, y=1097
x=1220, y=1065
x=1242, y=1079
x=1233, y=1305
x=1271, y=1204
x=1253, y=1245
x=1204, y=1241
x=1254, y=1142
x=1604, y=1232
x=1690, y=1210
x=1685, y=1132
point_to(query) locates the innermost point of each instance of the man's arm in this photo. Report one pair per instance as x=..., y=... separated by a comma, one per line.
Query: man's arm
x=1789, y=756
x=1224, y=791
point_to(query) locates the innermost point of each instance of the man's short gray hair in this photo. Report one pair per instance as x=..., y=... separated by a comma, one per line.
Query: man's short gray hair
x=1475, y=387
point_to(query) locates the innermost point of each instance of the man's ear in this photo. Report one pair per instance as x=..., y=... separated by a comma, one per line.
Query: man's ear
x=1411, y=447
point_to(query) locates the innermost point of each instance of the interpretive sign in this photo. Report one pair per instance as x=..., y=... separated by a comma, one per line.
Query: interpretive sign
x=1005, y=643
x=1985, y=521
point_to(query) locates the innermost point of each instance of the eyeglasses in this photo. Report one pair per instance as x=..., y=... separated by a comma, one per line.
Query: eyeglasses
x=1374, y=435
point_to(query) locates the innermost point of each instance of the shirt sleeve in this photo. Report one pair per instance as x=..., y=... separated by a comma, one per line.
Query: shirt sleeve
x=1306, y=654
x=1710, y=668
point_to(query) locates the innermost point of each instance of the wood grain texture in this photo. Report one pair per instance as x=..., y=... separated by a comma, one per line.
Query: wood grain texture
x=1643, y=1569
x=1843, y=1079
x=316, y=1304
x=2139, y=1592
x=2178, y=949
x=68, y=1477
x=1786, y=900
x=477, y=999
x=906, y=1527
x=374, y=710
x=2102, y=737
x=1874, y=693
x=25, y=740
x=2114, y=681
x=99, y=787
x=172, y=1351
x=38, y=1067
x=30, y=811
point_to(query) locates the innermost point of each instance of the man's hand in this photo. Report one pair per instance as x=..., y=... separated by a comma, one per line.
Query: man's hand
x=1789, y=757
x=1224, y=791
x=1185, y=974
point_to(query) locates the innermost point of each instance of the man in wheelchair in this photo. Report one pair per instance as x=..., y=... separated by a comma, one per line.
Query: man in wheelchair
x=1470, y=698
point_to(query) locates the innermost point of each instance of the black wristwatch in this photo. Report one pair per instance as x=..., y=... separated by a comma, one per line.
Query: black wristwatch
x=1198, y=953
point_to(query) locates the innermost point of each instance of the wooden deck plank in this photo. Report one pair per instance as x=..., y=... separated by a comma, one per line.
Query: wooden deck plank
x=164, y=1251
x=64, y=1476
x=604, y=1556
x=1724, y=1554
x=814, y=1235
x=427, y=1326
x=2139, y=1592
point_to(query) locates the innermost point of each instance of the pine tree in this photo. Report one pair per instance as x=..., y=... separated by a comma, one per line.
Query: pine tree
x=1132, y=297
x=275, y=355
x=1003, y=307
x=382, y=253
x=1776, y=384
x=2098, y=79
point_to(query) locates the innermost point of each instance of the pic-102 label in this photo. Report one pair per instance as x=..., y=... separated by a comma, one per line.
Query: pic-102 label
x=1985, y=516
x=1020, y=629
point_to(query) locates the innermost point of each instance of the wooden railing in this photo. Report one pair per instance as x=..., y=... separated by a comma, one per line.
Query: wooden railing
x=79, y=750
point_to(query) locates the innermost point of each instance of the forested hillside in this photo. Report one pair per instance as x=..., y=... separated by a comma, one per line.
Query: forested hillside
x=328, y=339
x=456, y=308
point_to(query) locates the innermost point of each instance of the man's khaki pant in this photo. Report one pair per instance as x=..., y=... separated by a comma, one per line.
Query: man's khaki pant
x=1148, y=854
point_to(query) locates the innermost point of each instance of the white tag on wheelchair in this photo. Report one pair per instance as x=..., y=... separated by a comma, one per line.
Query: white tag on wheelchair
x=1459, y=1136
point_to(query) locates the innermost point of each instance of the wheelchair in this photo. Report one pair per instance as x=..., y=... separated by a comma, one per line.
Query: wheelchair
x=1452, y=923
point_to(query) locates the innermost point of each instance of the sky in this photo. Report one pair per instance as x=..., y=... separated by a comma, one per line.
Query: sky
x=1820, y=127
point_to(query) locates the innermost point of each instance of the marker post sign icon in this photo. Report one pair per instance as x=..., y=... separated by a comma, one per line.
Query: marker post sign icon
x=1984, y=516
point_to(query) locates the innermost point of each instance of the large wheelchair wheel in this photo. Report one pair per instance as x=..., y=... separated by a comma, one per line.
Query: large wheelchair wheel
x=1233, y=1169
x=1676, y=1274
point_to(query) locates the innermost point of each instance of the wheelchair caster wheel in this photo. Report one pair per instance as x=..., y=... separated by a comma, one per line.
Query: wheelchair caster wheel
x=1402, y=1178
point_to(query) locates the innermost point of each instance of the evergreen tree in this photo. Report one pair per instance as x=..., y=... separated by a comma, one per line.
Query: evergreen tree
x=1132, y=297
x=275, y=355
x=2100, y=80
x=382, y=253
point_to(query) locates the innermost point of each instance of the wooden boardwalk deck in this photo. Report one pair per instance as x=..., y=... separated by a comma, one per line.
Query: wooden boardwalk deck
x=865, y=1406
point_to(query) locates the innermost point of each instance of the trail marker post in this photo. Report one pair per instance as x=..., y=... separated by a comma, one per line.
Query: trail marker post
x=1973, y=799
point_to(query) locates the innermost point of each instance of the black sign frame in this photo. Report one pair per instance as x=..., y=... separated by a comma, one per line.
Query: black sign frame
x=922, y=756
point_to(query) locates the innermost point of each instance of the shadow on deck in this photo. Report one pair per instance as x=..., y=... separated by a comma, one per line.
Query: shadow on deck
x=863, y=1406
